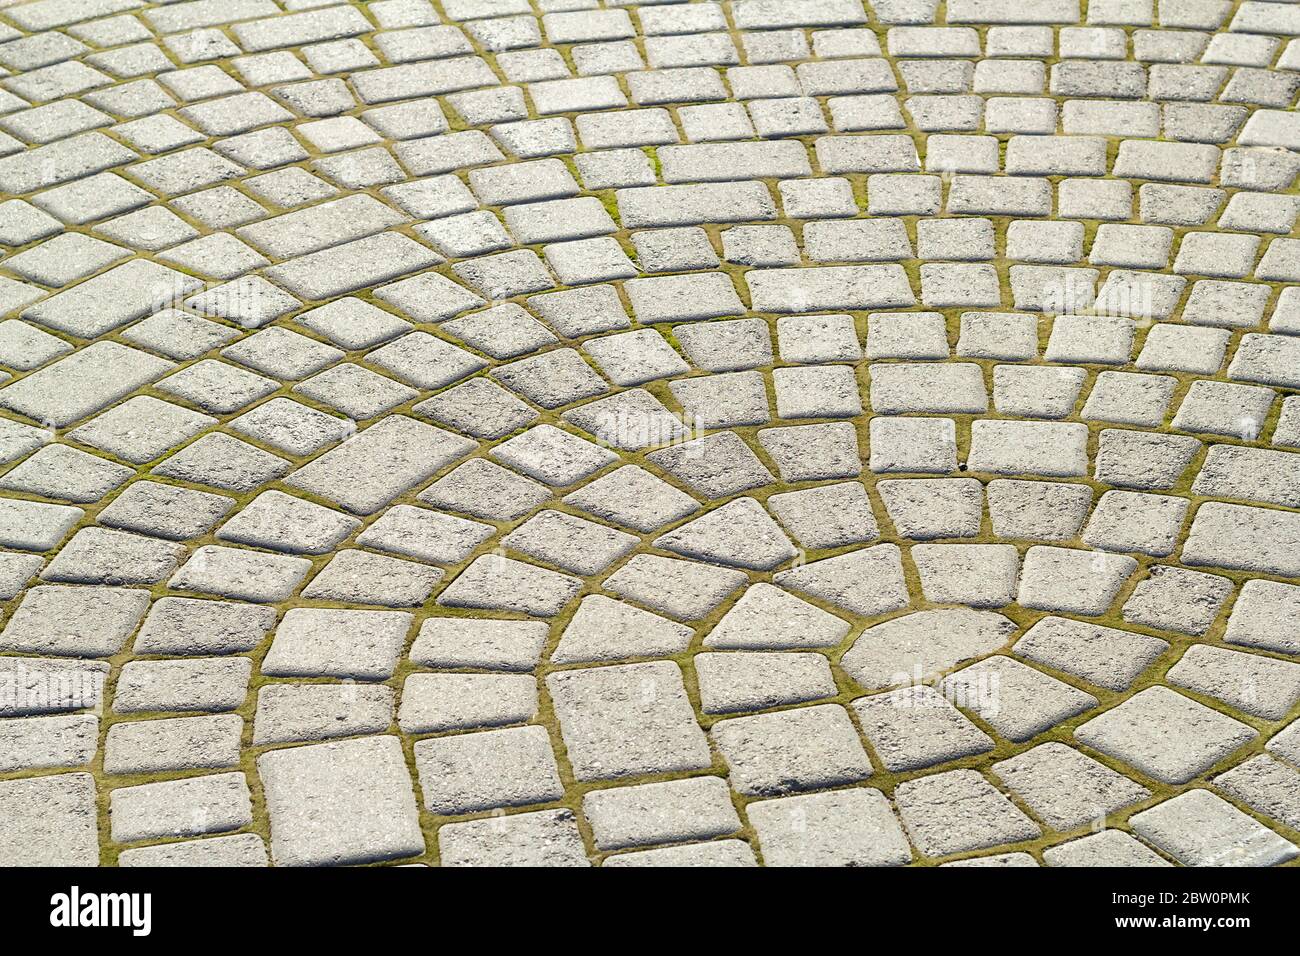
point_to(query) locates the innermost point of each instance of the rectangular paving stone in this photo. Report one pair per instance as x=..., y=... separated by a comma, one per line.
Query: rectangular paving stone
x=829, y=288
x=191, y=807
x=627, y=720
x=692, y=205
x=49, y=821
x=375, y=466
x=1250, y=539
x=353, y=265
x=82, y=383
x=101, y=304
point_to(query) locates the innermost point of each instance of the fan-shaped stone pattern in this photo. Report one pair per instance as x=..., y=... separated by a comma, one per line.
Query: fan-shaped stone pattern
x=803, y=402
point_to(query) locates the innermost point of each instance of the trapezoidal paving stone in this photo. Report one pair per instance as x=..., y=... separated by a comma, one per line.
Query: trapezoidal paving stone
x=625, y=433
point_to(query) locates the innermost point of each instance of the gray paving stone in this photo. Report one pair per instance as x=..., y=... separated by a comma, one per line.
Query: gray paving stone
x=804, y=749
x=958, y=811
x=337, y=803
x=915, y=727
x=845, y=828
x=1199, y=829
x=49, y=821
x=1107, y=848
x=542, y=838
x=629, y=719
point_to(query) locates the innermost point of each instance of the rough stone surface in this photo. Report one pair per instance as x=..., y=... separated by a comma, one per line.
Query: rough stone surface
x=544, y=387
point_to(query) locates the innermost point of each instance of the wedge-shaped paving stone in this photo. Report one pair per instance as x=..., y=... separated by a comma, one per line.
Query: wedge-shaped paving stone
x=49, y=821
x=915, y=727
x=1165, y=735
x=804, y=749
x=339, y=803
x=568, y=542
x=628, y=719
x=74, y=621
x=923, y=645
x=603, y=629
x=981, y=575
x=380, y=463
x=1037, y=510
x=732, y=683
x=716, y=466
x=845, y=828
x=321, y=642
x=1199, y=829
x=768, y=618
x=694, y=809
x=866, y=582
x=1066, y=789
x=739, y=534
x=1070, y=581
x=828, y=516
x=1175, y=599
x=496, y=583
x=685, y=590
x=1254, y=684
x=543, y=838
x=1035, y=448
x=483, y=771
x=959, y=811
x=1017, y=701
x=83, y=383
x=485, y=490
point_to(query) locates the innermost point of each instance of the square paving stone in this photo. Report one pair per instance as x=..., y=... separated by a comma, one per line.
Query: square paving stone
x=1199, y=829
x=1254, y=684
x=792, y=750
x=40, y=743
x=553, y=456
x=634, y=498
x=1175, y=599
x=1105, y=656
x=845, y=828
x=1066, y=789
x=1165, y=735
x=485, y=490
x=191, y=807
x=222, y=461
x=627, y=719
x=915, y=727
x=483, y=771
x=340, y=803
x=49, y=821
x=1261, y=617
x=958, y=811
x=1072, y=581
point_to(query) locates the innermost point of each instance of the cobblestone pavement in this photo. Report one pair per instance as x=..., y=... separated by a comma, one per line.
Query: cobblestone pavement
x=563, y=432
